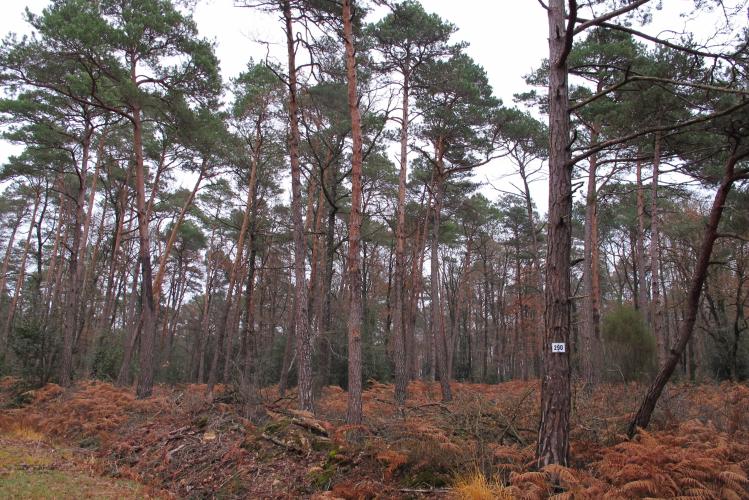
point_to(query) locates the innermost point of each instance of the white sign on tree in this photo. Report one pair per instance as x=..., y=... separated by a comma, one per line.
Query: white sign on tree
x=558, y=347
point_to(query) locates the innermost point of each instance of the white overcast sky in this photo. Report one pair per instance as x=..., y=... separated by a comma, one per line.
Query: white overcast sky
x=507, y=37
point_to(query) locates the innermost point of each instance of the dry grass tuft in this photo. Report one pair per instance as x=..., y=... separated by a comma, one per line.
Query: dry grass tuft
x=475, y=486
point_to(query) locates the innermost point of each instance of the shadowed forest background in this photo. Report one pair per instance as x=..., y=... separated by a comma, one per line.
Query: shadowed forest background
x=315, y=225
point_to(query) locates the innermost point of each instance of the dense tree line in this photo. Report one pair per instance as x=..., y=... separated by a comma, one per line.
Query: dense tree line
x=162, y=225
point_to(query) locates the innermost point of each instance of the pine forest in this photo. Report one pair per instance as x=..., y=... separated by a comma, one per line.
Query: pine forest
x=367, y=265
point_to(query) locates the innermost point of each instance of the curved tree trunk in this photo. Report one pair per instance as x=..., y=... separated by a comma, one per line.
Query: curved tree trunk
x=642, y=418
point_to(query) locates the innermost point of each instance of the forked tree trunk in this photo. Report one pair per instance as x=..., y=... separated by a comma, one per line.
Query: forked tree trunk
x=553, y=435
x=354, y=410
x=642, y=418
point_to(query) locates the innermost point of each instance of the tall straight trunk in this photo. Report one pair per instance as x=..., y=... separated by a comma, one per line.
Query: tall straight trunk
x=5, y=334
x=49, y=280
x=591, y=331
x=132, y=323
x=301, y=323
x=354, y=410
x=699, y=275
x=553, y=435
x=655, y=259
x=288, y=352
x=148, y=309
x=438, y=323
x=76, y=265
x=416, y=283
x=538, y=278
x=250, y=373
x=89, y=330
x=642, y=291
x=462, y=307
x=326, y=324
x=399, y=330
x=205, y=321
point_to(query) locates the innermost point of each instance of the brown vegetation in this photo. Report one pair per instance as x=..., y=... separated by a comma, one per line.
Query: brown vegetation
x=480, y=445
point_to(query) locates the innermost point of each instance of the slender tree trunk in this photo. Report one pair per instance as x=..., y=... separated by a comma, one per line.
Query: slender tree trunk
x=148, y=309
x=77, y=263
x=538, y=278
x=399, y=330
x=4, y=338
x=327, y=285
x=438, y=324
x=354, y=411
x=655, y=259
x=591, y=331
x=415, y=287
x=553, y=435
x=642, y=418
x=288, y=356
x=9, y=250
x=301, y=324
x=642, y=290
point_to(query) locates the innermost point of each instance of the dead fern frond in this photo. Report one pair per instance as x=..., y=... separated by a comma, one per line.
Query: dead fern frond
x=639, y=487
x=536, y=478
x=563, y=474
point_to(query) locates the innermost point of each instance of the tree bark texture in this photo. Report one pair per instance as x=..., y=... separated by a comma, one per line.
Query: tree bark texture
x=553, y=435
x=354, y=410
x=301, y=323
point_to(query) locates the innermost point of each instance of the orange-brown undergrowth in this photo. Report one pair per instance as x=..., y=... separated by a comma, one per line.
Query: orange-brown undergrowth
x=179, y=441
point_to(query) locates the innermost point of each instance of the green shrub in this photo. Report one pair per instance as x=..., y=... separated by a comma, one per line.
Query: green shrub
x=629, y=346
x=35, y=349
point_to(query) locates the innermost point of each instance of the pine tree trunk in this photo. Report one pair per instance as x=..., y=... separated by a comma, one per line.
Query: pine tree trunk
x=148, y=310
x=553, y=436
x=354, y=410
x=301, y=324
x=655, y=260
x=77, y=262
x=399, y=331
x=591, y=331
x=642, y=290
x=438, y=323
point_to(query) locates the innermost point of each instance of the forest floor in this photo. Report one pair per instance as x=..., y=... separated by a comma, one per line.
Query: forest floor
x=97, y=440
